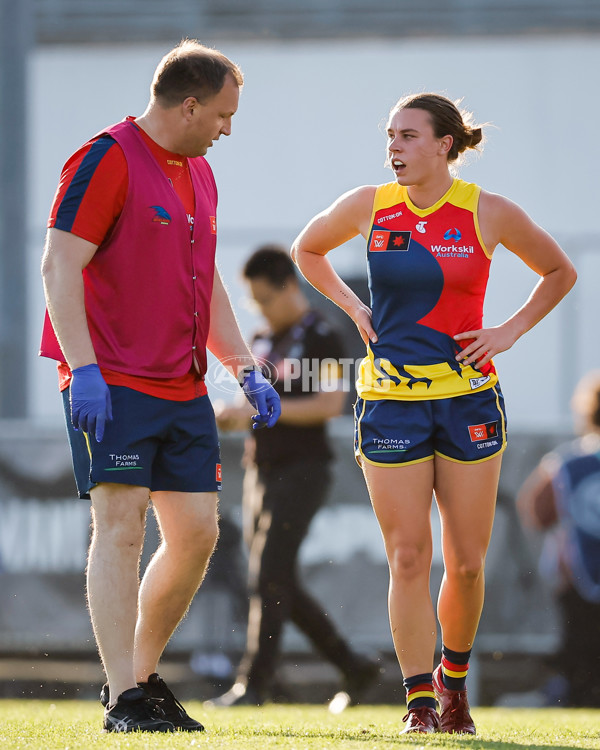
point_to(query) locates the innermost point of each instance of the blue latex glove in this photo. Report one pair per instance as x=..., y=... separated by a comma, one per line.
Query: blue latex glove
x=263, y=397
x=90, y=401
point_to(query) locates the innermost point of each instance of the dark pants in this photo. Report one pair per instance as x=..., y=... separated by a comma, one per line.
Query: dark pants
x=579, y=656
x=279, y=505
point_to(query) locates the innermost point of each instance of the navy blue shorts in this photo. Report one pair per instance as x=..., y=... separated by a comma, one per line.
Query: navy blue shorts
x=150, y=442
x=465, y=429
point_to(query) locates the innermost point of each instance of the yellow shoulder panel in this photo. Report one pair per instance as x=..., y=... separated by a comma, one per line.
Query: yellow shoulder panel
x=387, y=195
x=466, y=195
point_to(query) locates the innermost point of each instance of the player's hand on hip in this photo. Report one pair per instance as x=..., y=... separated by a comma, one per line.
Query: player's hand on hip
x=91, y=407
x=263, y=397
x=362, y=319
x=480, y=346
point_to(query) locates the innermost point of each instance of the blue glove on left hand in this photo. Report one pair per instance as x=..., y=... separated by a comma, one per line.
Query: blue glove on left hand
x=263, y=397
x=91, y=407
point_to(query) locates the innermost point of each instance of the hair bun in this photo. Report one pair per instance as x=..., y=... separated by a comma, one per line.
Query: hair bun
x=476, y=136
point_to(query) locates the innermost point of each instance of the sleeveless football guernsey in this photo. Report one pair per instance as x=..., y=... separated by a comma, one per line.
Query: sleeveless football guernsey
x=428, y=271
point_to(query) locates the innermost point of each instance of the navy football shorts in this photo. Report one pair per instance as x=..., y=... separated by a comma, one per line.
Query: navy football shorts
x=150, y=442
x=465, y=429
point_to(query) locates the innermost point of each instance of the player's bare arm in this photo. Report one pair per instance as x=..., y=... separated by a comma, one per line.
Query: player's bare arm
x=65, y=257
x=348, y=217
x=227, y=344
x=504, y=222
x=224, y=339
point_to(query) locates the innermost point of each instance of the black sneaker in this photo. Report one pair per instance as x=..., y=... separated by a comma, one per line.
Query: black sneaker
x=174, y=712
x=134, y=711
x=104, y=695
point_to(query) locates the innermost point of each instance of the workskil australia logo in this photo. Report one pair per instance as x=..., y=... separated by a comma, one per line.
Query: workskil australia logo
x=455, y=250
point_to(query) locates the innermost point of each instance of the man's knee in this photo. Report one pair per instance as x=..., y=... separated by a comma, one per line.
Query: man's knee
x=201, y=527
x=119, y=512
x=191, y=538
x=203, y=536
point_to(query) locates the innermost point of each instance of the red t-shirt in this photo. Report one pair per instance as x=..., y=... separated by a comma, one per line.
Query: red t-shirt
x=89, y=199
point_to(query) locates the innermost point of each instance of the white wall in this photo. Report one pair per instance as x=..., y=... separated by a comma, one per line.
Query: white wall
x=309, y=128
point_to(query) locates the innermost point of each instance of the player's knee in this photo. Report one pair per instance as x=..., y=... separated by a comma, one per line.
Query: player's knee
x=209, y=533
x=118, y=533
x=467, y=571
x=196, y=540
x=408, y=561
x=119, y=530
x=119, y=509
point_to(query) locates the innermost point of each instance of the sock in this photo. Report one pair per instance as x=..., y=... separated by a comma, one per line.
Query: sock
x=419, y=691
x=455, y=665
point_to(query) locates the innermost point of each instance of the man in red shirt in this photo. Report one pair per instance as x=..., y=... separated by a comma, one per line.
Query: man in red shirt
x=134, y=300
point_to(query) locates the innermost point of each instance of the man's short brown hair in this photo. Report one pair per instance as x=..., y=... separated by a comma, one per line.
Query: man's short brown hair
x=191, y=69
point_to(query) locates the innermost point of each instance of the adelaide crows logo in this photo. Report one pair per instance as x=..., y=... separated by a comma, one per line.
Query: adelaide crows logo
x=160, y=215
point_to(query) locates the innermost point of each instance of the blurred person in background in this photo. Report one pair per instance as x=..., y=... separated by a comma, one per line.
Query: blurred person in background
x=430, y=417
x=561, y=497
x=287, y=478
x=134, y=299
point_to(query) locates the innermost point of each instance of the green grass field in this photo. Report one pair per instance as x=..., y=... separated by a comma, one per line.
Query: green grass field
x=75, y=725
